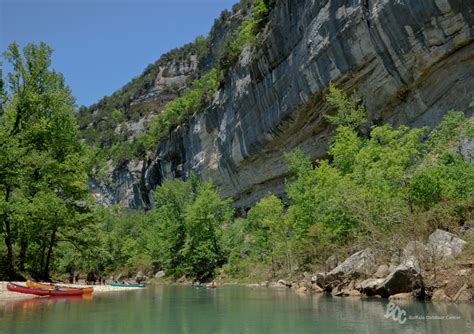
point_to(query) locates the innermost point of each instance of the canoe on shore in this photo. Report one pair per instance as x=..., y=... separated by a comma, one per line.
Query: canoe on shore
x=24, y=289
x=130, y=285
x=51, y=286
x=43, y=292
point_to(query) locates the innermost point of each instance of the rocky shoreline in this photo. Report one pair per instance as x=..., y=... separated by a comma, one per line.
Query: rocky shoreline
x=425, y=271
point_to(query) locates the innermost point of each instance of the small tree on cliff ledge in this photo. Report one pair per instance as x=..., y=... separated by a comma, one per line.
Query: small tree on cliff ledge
x=349, y=112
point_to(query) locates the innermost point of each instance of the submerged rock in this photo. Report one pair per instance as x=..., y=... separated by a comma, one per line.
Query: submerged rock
x=352, y=293
x=316, y=288
x=302, y=289
x=402, y=296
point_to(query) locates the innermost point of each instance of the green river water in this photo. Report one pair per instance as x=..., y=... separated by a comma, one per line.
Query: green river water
x=227, y=309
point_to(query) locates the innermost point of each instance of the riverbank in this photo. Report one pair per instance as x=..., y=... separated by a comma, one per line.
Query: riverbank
x=439, y=270
x=98, y=289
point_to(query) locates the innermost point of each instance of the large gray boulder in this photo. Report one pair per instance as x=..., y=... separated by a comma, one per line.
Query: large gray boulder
x=369, y=286
x=356, y=265
x=445, y=245
x=160, y=274
x=405, y=278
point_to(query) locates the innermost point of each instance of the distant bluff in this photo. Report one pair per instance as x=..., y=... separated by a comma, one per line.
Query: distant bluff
x=409, y=61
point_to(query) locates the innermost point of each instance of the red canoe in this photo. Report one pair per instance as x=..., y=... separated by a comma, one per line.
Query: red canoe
x=23, y=289
x=43, y=292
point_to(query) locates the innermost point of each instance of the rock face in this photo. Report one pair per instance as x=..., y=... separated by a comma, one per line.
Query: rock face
x=361, y=274
x=466, y=149
x=410, y=60
x=445, y=245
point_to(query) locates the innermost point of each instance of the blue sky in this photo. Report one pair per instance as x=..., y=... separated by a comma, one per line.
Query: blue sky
x=99, y=45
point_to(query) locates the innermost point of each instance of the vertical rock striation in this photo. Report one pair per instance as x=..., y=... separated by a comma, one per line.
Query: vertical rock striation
x=411, y=61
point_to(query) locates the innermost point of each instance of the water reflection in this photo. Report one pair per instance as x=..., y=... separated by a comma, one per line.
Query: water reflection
x=177, y=309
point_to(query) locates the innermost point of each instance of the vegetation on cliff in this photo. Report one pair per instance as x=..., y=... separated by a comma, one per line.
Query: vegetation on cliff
x=377, y=186
x=388, y=185
x=102, y=124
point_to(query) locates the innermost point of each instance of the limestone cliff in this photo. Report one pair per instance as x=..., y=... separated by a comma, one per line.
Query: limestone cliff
x=409, y=60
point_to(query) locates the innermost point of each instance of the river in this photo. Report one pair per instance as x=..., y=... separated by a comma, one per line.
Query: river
x=227, y=309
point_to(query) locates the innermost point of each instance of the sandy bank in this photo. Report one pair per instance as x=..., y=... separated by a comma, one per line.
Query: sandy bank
x=98, y=289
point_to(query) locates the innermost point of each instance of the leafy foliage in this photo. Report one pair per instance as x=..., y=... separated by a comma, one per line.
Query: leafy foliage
x=104, y=123
x=246, y=34
x=179, y=109
x=366, y=190
x=349, y=113
x=187, y=227
x=43, y=168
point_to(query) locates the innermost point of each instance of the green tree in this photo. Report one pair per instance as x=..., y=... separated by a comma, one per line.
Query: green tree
x=203, y=250
x=271, y=232
x=349, y=113
x=43, y=175
x=167, y=229
x=445, y=131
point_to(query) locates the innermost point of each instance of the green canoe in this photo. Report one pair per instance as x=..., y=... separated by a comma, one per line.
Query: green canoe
x=130, y=285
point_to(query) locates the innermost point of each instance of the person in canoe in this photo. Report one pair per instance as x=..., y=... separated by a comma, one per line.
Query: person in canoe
x=213, y=285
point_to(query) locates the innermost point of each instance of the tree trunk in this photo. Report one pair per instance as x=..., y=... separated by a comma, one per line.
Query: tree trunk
x=288, y=257
x=43, y=250
x=48, y=256
x=22, y=255
x=8, y=239
x=8, y=243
